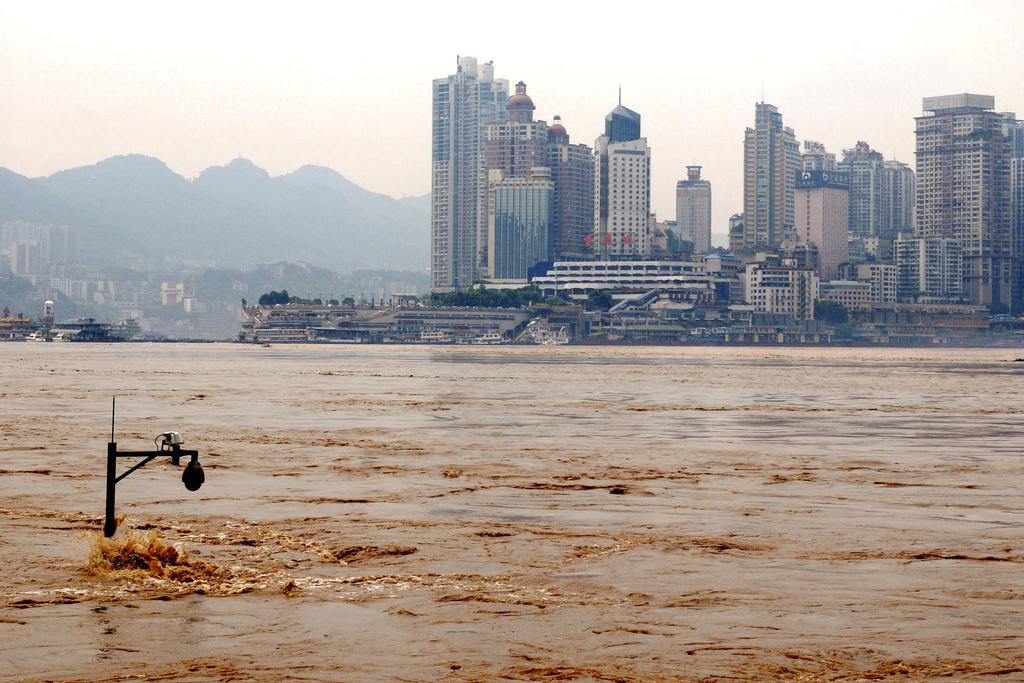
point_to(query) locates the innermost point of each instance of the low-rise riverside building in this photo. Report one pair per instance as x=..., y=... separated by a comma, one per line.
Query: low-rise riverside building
x=883, y=280
x=411, y=325
x=578, y=278
x=930, y=269
x=851, y=294
x=781, y=289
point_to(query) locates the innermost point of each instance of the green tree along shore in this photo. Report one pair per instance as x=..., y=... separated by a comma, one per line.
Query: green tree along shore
x=274, y=298
x=493, y=298
x=831, y=312
x=473, y=298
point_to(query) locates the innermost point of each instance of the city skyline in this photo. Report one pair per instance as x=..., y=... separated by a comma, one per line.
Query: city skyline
x=220, y=92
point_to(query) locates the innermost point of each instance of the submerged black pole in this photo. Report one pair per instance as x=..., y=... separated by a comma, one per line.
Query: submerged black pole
x=110, y=524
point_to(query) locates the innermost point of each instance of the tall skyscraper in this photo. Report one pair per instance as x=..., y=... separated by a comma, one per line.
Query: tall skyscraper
x=518, y=224
x=963, y=190
x=865, y=169
x=622, y=188
x=463, y=105
x=37, y=248
x=515, y=146
x=693, y=210
x=822, y=217
x=898, y=199
x=771, y=158
x=1014, y=131
x=572, y=219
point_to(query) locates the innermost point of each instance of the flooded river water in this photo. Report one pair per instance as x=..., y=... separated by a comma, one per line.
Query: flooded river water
x=453, y=513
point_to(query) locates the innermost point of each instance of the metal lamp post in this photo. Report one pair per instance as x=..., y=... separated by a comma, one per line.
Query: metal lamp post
x=169, y=444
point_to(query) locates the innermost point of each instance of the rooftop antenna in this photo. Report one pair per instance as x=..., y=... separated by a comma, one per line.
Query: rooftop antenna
x=620, y=94
x=762, y=92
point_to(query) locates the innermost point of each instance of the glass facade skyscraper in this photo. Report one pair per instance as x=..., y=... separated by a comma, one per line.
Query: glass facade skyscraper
x=519, y=222
x=622, y=124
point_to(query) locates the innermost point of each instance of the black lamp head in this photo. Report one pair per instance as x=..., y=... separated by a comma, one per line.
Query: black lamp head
x=193, y=476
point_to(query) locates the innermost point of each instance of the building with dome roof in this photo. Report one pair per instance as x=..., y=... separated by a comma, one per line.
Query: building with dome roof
x=517, y=145
x=520, y=190
x=520, y=105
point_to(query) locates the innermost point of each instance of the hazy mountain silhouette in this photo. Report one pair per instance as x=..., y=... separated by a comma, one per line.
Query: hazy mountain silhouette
x=238, y=214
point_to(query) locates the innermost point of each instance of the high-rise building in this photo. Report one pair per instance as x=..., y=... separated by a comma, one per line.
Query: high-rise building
x=516, y=146
x=572, y=170
x=897, y=200
x=26, y=259
x=816, y=158
x=821, y=209
x=463, y=105
x=963, y=190
x=929, y=269
x=37, y=248
x=518, y=223
x=865, y=169
x=771, y=158
x=1017, y=211
x=693, y=210
x=881, y=193
x=1014, y=131
x=622, y=188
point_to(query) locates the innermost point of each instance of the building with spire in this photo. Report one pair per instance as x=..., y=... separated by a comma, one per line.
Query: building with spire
x=622, y=203
x=622, y=124
x=463, y=105
x=771, y=159
x=693, y=210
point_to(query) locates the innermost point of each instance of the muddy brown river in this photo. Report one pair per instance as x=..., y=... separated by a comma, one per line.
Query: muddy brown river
x=479, y=514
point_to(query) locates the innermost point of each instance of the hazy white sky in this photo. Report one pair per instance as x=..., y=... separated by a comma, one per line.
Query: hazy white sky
x=347, y=85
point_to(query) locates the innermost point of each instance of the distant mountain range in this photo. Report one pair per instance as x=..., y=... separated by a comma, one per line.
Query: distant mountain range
x=131, y=206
